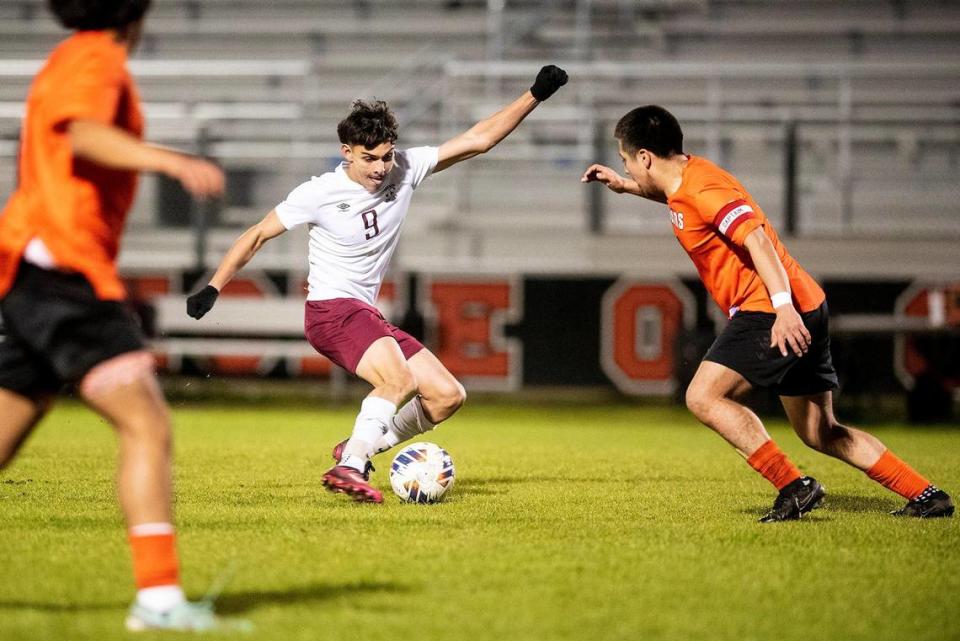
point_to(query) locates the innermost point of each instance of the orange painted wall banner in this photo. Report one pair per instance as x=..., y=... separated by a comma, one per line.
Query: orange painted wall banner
x=640, y=325
x=466, y=319
x=499, y=332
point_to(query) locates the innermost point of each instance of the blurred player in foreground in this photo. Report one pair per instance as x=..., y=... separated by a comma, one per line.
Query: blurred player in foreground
x=778, y=332
x=355, y=214
x=60, y=295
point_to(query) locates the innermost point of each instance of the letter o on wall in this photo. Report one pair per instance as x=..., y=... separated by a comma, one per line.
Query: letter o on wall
x=939, y=303
x=639, y=326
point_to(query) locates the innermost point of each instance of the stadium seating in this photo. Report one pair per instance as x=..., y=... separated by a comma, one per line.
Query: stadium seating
x=266, y=83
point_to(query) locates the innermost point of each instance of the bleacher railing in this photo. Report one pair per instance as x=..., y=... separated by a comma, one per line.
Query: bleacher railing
x=848, y=120
x=846, y=109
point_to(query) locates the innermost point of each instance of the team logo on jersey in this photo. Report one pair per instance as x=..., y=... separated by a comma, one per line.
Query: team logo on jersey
x=343, y=206
x=390, y=193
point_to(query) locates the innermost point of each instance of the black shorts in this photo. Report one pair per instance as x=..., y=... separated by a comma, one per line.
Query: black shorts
x=56, y=330
x=744, y=347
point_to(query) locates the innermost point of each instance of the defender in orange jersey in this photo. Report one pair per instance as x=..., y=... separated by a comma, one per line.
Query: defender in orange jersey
x=778, y=334
x=60, y=295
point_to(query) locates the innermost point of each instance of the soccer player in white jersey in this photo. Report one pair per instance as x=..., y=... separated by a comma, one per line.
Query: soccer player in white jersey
x=355, y=214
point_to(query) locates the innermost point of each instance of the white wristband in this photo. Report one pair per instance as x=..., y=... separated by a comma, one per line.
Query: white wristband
x=780, y=299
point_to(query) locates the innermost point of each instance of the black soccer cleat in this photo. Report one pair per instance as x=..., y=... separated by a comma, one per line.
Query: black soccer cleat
x=932, y=503
x=795, y=500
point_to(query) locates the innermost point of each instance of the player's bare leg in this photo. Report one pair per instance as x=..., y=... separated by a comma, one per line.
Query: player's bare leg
x=711, y=397
x=813, y=420
x=439, y=396
x=20, y=415
x=135, y=407
x=383, y=366
x=124, y=390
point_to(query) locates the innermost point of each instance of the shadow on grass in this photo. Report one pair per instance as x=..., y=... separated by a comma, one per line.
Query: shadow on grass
x=859, y=503
x=237, y=602
x=229, y=603
x=66, y=608
x=479, y=485
x=490, y=485
x=842, y=503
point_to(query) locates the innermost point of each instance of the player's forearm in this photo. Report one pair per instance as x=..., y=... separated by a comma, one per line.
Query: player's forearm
x=241, y=253
x=114, y=148
x=630, y=187
x=611, y=179
x=488, y=132
x=767, y=262
x=485, y=135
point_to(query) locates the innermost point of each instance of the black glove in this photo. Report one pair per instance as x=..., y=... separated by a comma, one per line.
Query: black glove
x=202, y=302
x=548, y=81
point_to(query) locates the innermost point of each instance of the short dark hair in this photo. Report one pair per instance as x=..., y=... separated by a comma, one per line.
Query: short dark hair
x=652, y=128
x=97, y=15
x=369, y=124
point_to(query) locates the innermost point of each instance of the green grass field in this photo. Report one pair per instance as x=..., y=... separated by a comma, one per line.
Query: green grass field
x=566, y=522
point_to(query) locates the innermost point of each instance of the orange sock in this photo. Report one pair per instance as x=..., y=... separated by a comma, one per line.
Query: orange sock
x=154, y=555
x=774, y=465
x=895, y=475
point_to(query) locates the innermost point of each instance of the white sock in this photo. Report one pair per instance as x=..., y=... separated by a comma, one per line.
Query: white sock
x=410, y=421
x=161, y=598
x=372, y=422
x=387, y=441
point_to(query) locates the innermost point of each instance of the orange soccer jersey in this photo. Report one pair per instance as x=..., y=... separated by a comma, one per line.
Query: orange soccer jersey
x=76, y=208
x=712, y=215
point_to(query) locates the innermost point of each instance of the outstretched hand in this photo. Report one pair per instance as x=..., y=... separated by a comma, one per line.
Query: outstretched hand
x=202, y=302
x=550, y=78
x=603, y=174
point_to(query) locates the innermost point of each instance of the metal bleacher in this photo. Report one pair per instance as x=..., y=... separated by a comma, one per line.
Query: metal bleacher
x=873, y=88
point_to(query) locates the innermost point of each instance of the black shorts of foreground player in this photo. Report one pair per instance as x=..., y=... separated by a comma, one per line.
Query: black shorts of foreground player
x=778, y=335
x=355, y=214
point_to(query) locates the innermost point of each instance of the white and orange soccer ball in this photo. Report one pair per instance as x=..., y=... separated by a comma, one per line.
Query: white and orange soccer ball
x=422, y=473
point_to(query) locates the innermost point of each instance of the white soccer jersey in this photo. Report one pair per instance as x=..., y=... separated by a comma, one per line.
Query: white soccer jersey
x=354, y=233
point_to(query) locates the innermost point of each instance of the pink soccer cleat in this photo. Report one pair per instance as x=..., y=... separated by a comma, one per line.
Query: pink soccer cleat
x=349, y=481
x=338, y=449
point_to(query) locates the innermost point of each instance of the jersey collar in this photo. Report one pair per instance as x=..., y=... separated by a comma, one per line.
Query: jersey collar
x=347, y=182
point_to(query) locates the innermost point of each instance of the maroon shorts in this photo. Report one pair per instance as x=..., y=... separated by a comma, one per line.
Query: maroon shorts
x=343, y=328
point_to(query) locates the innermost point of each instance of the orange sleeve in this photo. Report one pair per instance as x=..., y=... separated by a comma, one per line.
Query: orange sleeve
x=730, y=213
x=91, y=92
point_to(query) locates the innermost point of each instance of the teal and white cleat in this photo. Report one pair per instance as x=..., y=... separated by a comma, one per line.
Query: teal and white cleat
x=186, y=617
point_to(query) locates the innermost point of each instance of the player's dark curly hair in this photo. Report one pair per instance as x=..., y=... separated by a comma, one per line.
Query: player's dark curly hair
x=652, y=128
x=96, y=15
x=369, y=124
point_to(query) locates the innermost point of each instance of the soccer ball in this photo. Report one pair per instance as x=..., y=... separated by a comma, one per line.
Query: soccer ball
x=421, y=473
